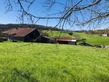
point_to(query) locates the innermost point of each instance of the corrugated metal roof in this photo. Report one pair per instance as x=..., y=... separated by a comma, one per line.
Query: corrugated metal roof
x=19, y=31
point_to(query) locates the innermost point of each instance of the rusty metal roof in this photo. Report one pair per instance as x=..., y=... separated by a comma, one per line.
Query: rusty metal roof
x=19, y=31
x=65, y=39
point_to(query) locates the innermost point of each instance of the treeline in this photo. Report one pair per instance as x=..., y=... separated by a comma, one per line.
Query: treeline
x=104, y=31
x=39, y=27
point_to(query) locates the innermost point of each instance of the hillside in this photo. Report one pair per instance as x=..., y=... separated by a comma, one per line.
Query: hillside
x=32, y=62
x=94, y=39
x=53, y=33
x=40, y=27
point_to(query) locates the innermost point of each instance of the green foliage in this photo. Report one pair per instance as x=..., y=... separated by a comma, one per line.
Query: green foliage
x=36, y=62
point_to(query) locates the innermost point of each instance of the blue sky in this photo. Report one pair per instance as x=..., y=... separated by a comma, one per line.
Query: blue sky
x=12, y=16
x=6, y=18
x=36, y=9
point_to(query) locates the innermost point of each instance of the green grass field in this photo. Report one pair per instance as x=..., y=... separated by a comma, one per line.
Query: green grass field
x=56, y=33
x=36, y=62
x=93, y=39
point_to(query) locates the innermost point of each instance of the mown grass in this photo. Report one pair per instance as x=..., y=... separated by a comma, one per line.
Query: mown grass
x=36, y=62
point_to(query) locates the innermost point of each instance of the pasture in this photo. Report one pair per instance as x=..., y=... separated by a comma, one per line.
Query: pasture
x=94, y=39
x=37, y=62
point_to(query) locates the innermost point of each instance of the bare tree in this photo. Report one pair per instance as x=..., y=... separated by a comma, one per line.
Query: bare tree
x=72, y=12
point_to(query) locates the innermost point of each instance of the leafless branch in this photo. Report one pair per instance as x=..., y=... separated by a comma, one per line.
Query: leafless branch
x=73, y=11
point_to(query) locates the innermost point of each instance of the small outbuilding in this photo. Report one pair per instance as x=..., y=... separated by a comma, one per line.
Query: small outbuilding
x=66, y=40
x=104, y=34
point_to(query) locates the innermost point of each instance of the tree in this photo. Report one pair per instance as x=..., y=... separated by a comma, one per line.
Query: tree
x=72, y=12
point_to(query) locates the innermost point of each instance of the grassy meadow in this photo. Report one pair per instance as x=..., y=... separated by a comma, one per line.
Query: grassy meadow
x=36, y=62
x=56, y=33
x=94, y=39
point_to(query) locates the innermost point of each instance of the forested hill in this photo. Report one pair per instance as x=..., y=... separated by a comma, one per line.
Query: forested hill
x=40, y=27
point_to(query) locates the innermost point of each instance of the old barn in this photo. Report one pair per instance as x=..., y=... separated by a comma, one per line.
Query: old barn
x=26, y=35
x=22, y=34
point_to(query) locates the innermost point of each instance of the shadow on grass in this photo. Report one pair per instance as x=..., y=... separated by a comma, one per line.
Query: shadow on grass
x=22, y=76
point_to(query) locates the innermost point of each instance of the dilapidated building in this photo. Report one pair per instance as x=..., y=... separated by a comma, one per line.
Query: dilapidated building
x=26, y=35
x=22, y=34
